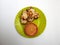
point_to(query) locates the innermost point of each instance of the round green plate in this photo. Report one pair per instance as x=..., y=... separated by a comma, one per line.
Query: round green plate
x=40, y=22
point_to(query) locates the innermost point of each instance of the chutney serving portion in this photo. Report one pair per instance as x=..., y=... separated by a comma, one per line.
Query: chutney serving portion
x=30, y=29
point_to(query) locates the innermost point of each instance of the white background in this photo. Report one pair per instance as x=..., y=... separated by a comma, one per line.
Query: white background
x=8, y=33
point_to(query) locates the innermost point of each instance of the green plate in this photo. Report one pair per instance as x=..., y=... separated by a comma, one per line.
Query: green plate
x=40, y=22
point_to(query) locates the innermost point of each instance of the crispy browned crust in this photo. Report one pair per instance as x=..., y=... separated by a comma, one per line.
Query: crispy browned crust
x=27, y=26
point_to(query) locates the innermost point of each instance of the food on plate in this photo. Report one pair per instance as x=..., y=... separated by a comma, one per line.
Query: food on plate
x=30, y=19
x=36, y=15
x=30, y=29
x=24, y=15
x=29, y=15
x=23, y=21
